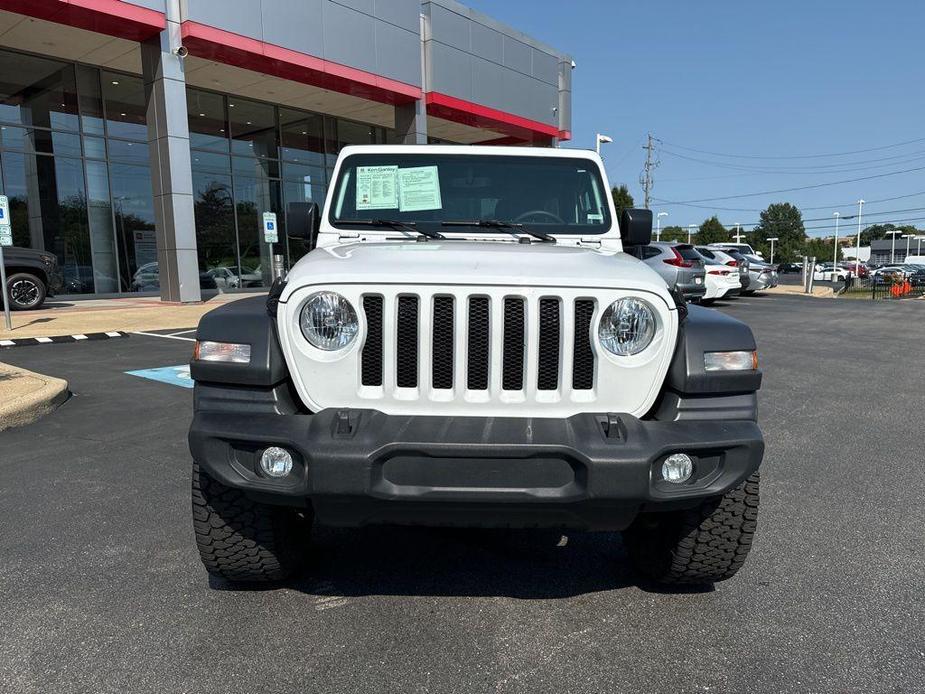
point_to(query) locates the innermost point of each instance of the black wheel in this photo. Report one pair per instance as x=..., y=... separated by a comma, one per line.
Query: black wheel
x=707, y=302
x=244, y=541
x=25, y=291
x=696, y=546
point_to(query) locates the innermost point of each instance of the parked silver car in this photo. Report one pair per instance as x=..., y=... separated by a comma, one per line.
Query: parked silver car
x=763, y=275
x=679, y=264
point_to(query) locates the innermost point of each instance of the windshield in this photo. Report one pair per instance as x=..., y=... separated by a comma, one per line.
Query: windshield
x=555, y=195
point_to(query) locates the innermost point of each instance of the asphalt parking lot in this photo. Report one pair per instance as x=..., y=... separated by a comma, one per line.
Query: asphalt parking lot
x=102, y=590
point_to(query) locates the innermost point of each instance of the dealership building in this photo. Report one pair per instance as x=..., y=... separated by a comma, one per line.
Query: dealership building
x=141, y=142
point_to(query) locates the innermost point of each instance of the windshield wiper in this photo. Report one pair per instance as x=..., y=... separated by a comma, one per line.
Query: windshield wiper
x=499, y=224
x=395, y=224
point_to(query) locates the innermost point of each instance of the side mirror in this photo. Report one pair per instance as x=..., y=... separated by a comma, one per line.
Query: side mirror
x=636, y=227
x=303, y=221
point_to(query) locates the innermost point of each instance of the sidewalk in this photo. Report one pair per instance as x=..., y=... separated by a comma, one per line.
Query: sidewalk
x=26, y=396
x=104, y=315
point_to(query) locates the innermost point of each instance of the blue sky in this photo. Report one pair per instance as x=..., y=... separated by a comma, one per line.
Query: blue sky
x=753, y=79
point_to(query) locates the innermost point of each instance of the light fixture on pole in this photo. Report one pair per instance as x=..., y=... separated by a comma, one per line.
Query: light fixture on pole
x=690, y=231
x=658, y=225
x=835, y=254
x=857, y=255
x=601, y=140
x=893, y=233
x=772, y=239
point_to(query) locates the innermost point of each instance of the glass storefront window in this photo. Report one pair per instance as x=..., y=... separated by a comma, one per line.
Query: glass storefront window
x=302, y=137
x=94, y=147
x=124, y=100
x=253, y=197
x=208, y=121
x=133, y=205
x=213, y=203
x=253, y=128
x=129, y=152
x=37, y=92
x=91, y=100
x=102, y=277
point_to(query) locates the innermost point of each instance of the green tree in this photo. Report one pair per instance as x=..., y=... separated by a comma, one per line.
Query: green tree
x=785, y=222
x=673, y=233
x=622, y=199
x=712, y=231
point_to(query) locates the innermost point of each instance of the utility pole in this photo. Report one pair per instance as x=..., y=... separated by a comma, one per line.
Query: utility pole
x=690, y=231
x=646, y=179
x=857, y=256
x=835, y=256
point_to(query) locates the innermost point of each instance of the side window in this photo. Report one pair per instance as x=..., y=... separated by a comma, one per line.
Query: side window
x=651, y=252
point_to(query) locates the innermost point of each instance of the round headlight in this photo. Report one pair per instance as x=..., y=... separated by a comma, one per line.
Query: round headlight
x=328, y=321
x=627, y=327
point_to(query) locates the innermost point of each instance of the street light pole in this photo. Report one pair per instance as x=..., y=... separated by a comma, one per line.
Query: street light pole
x=857, y=256
x=690, y=231
x=658, y=225
x=772, y=240
x=601, y=140
x=908, y=238
x=738, y=236
x=835, y=255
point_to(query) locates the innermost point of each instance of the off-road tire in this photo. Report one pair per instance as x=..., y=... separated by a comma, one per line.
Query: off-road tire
x=702, y=545
x=244, y=541
x=21, y=285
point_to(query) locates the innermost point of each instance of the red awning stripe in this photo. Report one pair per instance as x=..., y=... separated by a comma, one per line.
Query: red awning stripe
x=479, y=116
x=111, y=17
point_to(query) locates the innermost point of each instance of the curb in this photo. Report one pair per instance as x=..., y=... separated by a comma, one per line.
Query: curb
x=57, y=339
x=26, y=396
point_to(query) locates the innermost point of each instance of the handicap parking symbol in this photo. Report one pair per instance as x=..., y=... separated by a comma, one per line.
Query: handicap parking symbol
x=174, y=375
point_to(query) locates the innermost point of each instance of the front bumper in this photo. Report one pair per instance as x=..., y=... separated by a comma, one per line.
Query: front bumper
x=358, y=467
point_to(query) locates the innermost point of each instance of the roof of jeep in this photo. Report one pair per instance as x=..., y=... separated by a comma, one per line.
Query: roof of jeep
x=471, y=150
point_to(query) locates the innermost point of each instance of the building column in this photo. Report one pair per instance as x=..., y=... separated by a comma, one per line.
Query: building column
x=171, y=173
x=411, y=123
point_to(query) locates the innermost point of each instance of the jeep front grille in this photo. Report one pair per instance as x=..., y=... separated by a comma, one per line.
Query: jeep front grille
x=521, y=353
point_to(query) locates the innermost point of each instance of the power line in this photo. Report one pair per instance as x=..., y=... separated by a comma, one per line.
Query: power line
x=864, y=165
x=797, y=156
x=833, y=206
x=798, y=188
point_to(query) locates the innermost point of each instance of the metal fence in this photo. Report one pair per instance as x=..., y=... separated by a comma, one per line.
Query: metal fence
x=883, y=288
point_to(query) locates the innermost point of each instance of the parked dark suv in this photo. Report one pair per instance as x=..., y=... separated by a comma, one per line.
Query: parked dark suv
x=679, y=264
x=30, y=276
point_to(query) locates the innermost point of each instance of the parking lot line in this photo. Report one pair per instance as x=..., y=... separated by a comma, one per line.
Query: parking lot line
x=166, y=337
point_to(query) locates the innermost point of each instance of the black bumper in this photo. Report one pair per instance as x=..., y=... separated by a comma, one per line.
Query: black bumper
x=357, y=467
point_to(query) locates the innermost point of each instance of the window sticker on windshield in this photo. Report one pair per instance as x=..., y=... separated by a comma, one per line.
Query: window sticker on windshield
x=377, y=187
x=595, y=218
x=419, y=189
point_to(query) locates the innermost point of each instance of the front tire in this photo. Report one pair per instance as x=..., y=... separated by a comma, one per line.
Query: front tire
x=702, y=545
x=25, y=291
x=241, y=540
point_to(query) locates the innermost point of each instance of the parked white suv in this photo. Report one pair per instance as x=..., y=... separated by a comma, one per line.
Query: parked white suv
x=469, y=344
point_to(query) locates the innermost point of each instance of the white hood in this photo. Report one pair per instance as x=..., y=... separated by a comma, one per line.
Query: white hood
x=473, y=263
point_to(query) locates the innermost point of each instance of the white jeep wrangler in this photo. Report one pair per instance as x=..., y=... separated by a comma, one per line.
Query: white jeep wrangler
x=468, y=344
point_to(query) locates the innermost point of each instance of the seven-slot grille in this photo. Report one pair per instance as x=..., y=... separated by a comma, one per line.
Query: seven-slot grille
x=518, y=360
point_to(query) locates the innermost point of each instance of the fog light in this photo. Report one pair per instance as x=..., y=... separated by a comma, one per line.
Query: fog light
x=276, y=462
x=677, y=468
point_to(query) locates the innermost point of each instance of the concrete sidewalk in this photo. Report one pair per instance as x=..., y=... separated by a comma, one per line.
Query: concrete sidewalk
x=104, y=315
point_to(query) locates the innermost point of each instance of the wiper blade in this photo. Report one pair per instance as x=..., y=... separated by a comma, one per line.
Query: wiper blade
x=394, y=224
x=499, y=224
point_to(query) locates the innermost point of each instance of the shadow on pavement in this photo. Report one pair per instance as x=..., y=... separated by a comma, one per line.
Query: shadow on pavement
x=523, y=564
